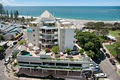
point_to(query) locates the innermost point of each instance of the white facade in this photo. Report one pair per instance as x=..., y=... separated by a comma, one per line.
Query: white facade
x=47, y=31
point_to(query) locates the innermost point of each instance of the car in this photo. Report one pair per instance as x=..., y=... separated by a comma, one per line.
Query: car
x=112, y=61
x=107, y=55
x=100, y=75
x=7, y=61
x=20, y=38
x=14, y=43
x=103, y=50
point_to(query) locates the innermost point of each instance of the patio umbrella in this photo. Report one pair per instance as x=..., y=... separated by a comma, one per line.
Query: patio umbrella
x=30, y=45
x=22, y=48
x=36, y=48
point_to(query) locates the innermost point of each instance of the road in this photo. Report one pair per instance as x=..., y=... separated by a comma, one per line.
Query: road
x=2, y=66
x=108, y=68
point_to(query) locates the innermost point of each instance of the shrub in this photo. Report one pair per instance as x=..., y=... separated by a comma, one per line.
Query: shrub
x=81, y=51
x=68, y=51
x=47, y=50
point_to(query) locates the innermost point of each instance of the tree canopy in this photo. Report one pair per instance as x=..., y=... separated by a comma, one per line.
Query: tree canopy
x=117, y=49
x=1, y=49
x=89, y=41
x=55, y=49
x=68, y=51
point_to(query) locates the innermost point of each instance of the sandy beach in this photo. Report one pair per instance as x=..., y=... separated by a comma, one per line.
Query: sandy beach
x=78, y=23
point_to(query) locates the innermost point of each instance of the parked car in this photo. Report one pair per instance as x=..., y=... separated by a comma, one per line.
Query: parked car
x=14, y=43
x=112, y=61
x=107, y=55
x=7, y=61
x=100, y=75
x=20, y=38
x=102, y=50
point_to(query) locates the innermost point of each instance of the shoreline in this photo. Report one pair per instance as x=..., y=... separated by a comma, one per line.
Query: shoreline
x=76, y=21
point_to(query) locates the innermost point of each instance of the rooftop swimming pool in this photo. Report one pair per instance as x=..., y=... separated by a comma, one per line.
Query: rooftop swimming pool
x=25, y=53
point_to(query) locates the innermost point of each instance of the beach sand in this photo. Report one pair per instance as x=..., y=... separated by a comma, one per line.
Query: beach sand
x=76, y=22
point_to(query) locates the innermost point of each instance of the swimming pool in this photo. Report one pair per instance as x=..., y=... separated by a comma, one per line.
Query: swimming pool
x=25, y=53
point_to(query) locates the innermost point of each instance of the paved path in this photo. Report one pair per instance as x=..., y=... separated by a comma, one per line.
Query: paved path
x=2, y=66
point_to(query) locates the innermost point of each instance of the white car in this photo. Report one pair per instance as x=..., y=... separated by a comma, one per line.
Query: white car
x=101, y=75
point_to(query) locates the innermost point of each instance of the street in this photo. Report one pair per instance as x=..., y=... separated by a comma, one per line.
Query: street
x=2, y=66
x=108, y=68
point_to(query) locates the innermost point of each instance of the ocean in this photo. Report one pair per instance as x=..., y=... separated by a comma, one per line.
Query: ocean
x=104, y=13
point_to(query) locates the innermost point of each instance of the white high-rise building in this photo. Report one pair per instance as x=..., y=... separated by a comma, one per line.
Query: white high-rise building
x=48, y=31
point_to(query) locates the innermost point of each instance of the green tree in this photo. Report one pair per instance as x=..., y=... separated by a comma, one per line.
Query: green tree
x=1, y=49
x=22, y=19
x=68, y=51
x=1, y=9
x=7, y=14
x=90, y=25
x=11, y=15
x=81, y=51
x=22, y=42
x=90, y=53
x=1, y=37
x=104, y=32
x=14, y=54
x=16, y=14
x=89, y=41
x=55, y=49
x=117, y=49
x=89, y=46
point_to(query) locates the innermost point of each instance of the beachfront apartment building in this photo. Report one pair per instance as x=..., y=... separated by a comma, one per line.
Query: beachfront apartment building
x=48, y=31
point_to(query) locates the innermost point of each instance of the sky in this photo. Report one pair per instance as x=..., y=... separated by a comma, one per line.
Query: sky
x=60, y=2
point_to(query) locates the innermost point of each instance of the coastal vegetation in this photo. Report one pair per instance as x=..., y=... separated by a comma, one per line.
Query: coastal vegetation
x=102, y=25
x=68, y=51
x=114, y=50
x=89, y=42
x=55, y=49
x=1, y=49
x=115, y=33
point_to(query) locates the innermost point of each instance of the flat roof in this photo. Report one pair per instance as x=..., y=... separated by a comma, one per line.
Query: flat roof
x=47, y=27
x=47, y=22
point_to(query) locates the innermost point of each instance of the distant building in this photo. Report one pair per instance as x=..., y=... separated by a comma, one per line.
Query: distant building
x=10, y=32
x=47, y=31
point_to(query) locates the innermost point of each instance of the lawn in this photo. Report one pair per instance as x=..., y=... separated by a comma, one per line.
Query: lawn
x=111, y=49
x=114, y=33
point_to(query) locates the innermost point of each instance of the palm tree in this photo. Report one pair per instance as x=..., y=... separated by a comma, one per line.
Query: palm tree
x=55, y=49
x=68, y=51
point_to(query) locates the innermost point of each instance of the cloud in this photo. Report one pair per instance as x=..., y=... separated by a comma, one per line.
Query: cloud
x=7, y=2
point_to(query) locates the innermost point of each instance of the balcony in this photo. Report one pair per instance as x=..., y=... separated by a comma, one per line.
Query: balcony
x=55, y=32
x=48, y=32
x=55, y=42
x=55, y=37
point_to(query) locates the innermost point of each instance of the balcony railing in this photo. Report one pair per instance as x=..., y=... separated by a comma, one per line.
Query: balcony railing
x=45, y=33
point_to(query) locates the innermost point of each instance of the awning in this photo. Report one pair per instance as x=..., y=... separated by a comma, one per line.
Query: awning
x=22, y=48
x=36, y=48
x=30, y=45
